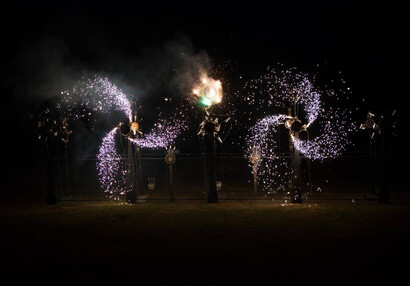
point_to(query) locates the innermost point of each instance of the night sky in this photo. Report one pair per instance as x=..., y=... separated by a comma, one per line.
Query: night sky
x=363, y=40
x=47, y=45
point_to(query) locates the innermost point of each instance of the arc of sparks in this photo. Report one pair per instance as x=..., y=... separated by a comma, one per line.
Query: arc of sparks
x=98, y=94
x=296, y=89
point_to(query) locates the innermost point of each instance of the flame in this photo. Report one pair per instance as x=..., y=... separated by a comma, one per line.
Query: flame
x=209, y=91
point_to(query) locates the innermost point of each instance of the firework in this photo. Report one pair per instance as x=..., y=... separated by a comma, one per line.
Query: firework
x=208, y=91
x=100, y=95
x=95, y=94
x=163, y=134
x=292, y=90
x=261, y=142
x=111, y=171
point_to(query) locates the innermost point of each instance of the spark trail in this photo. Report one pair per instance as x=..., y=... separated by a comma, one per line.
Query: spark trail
x=111, y=169
x=95, y=94
x=289, y=89
x=98, y=94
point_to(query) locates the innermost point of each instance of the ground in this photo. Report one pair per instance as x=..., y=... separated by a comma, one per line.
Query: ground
x=324, y=241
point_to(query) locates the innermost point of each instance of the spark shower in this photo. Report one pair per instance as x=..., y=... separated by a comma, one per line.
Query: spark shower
x=267, y=100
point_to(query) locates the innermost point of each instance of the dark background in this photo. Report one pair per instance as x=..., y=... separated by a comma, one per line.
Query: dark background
x=47, y=45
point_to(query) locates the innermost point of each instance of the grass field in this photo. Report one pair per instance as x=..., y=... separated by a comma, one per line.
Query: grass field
x=193, y=242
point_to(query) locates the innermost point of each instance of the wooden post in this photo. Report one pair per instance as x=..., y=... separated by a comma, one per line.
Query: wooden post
x=171, y=182
x=131, y=196
x=51, y=191
x=387, y=135
x=255, y=180
x=297, y=190
x=296, y=181
x=170, y=159
x=212, y=192
x=138, y=179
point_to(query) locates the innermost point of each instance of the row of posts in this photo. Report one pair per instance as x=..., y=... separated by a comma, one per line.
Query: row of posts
x=210, y=135
x=210, y=128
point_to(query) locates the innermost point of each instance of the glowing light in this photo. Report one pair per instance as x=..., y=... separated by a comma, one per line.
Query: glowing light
x=208, y=91
x=134, y=126
x=205, y=101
